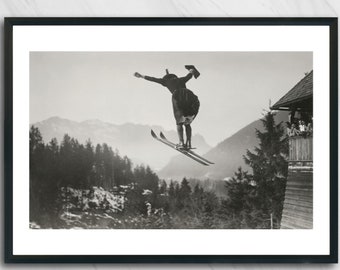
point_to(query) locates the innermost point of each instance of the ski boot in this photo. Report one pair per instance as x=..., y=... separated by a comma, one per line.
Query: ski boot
x=180, y=146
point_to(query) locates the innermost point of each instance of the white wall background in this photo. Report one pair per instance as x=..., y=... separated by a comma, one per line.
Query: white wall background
x=170, y=8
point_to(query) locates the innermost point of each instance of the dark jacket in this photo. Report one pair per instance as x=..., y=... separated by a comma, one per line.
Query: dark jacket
x=172, y=83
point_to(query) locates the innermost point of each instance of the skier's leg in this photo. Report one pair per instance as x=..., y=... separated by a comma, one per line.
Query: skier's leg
x=188, y=135
x=180, y=134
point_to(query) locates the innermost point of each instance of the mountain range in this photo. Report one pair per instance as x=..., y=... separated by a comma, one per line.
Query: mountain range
x=132, y=140
x=135, y=141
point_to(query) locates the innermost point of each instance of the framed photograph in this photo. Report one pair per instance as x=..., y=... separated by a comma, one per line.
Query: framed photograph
x=171, y=140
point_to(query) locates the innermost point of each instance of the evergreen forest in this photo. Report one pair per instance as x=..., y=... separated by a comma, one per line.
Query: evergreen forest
x=74, y=185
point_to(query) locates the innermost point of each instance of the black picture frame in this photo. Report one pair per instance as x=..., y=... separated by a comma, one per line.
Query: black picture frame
x=332, y=257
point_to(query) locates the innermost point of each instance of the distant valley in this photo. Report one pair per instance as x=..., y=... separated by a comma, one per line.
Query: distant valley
x=227, y=155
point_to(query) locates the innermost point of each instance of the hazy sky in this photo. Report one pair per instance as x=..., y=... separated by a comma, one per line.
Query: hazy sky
x=234, y=87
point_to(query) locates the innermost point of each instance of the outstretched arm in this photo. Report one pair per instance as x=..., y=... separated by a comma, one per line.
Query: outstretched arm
x=148, y=78
x=188, y=76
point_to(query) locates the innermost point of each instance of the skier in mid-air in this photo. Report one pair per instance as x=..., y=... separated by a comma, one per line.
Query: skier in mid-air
x=184, y=102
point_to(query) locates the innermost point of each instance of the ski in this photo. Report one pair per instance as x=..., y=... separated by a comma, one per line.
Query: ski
x=187, y=150
x=173, y=146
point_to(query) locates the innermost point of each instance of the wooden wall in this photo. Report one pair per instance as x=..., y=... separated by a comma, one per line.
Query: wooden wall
x=301, y=149
x=298, y=204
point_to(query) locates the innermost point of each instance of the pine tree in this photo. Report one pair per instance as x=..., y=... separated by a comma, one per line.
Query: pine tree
x=99, y=171
x=44, y=179
x=270, y=168
x=127, y=170
x=172, y=190
x=89, y=163
x=238, y=207
x=210, y=206
x=36, y=147
x=198, y=197
x=151, y=180
x=108, y=180
x=239, y=191
x=163, y=187
x=185, y=188
x=184, y=194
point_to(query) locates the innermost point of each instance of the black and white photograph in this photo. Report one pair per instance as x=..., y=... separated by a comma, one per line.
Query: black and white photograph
x=171, y=140
x=126, y=144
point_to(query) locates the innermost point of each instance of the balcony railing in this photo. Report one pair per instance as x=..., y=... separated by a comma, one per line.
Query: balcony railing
x=300, y=148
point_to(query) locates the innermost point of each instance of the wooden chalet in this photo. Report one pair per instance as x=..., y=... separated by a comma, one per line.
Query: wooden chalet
x=298, y=204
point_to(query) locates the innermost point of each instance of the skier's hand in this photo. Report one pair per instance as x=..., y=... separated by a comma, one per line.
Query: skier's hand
x=192, y=71
x=138, y=75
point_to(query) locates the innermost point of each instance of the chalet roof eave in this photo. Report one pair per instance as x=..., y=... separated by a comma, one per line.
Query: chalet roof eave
x=278, y=105
x=301, y=91
x=280, y=108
